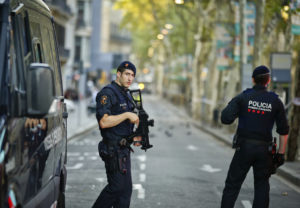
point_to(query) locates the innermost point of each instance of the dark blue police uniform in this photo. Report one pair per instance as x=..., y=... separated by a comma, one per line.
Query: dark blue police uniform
x=115, y=100
x=257, y=110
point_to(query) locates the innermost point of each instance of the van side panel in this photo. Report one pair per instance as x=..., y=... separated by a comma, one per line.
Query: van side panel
x=37, y=146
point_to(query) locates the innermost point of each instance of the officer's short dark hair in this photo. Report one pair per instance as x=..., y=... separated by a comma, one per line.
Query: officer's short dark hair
x=126, y=65
x=261, y=79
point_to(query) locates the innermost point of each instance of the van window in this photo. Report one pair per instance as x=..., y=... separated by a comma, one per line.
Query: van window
x=58, y=82
x=47, y=47
x=12, y=64
x=20, y=54
x=26, y=34
x=38, y=53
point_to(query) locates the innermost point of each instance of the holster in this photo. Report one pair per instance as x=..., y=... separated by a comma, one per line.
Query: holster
x=123, y=157
x=105, y=151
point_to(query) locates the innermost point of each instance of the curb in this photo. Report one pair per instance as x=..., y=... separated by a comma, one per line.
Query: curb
x=284, y=172
x=82, y=132
x=217, y=136
x=288, y=175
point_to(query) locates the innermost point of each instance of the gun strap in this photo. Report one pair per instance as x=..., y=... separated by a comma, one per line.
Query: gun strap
x=126, y=95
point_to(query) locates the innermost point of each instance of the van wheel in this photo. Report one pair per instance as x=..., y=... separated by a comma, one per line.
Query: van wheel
x=61, y=200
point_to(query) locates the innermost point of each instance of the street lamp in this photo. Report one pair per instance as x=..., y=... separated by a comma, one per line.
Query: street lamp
x=160, y=36
x=169, y=26
x=179, y=1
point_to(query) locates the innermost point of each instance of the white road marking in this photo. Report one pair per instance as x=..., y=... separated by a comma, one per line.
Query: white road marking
x=93, y=158
x=81, y=158
x=142, y=177
x=192, y=148
x=142, y=158
x=142, y=166
x=140, y=190
x=90, y=153
x=246, y=204
x=209, y=168
x=75, y=167
x=73, y=154
x=101, y=180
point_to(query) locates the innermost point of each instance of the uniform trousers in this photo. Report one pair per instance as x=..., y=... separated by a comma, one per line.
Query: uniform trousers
x=257, y=156
x=117, y=192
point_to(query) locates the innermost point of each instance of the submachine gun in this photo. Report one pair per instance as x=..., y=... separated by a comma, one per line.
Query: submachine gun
x=143, y=128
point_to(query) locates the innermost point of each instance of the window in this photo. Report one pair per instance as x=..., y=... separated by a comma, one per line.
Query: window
x=77, y=56
x=80, y=14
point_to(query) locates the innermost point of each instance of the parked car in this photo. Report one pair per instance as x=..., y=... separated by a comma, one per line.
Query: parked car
x=32, y=110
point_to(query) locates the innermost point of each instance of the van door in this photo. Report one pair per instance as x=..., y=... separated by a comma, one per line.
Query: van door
x=38, y=155
x=60, y=140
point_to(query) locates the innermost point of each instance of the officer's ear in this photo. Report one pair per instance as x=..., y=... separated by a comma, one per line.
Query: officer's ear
x=269, y=80
x=253, y=81
x=119, y=74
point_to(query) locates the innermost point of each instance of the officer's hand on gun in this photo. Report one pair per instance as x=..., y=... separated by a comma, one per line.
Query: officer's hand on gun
x=133, y=118
x=137, y=141
x=279, y=159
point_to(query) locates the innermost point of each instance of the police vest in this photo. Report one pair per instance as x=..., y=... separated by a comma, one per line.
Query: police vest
x=124, y=104
x=257, y=114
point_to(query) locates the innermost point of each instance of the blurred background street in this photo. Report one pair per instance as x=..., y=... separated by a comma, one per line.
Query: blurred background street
x=192, y=57
x=185, y=168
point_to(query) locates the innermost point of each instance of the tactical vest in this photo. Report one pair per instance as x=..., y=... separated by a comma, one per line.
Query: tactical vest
x=124, y=104
x=257, y=114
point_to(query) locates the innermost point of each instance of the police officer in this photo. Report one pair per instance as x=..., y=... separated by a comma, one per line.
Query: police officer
x=257, y=110
x=114, y=112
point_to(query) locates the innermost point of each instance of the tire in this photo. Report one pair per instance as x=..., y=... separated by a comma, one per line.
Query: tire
x=61, y=197
x=61, y=200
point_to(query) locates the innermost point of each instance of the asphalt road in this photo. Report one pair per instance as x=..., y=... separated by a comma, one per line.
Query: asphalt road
x=185, y=168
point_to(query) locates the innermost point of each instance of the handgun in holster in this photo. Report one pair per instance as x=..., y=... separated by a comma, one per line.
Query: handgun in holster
x=272, y=150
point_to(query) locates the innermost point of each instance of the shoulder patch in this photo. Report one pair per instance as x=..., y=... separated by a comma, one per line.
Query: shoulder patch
x=103, y=100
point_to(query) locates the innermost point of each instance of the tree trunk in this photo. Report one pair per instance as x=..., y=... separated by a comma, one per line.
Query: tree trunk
x=259, y=19
x=295, y=119
x=195, y=68
x=243, y=39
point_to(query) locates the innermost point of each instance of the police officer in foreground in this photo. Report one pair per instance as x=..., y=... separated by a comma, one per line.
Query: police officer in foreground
x=114, y=112
x=257, y=110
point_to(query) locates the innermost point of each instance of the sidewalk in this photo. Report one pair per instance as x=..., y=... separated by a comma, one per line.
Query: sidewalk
x=80, y=121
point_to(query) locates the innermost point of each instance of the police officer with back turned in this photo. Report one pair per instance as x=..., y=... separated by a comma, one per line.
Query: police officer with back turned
x=114, y=112
x=257, y=110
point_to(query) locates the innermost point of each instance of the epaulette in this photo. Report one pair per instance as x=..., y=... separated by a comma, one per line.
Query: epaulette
x=274, y=94
x=248, y=90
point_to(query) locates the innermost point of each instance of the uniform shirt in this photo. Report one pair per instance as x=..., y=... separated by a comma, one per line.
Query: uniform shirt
x=257, y=110
x=114, y=100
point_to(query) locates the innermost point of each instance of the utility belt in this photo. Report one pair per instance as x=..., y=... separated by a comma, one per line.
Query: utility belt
x=238, y=140
x=115, y=156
